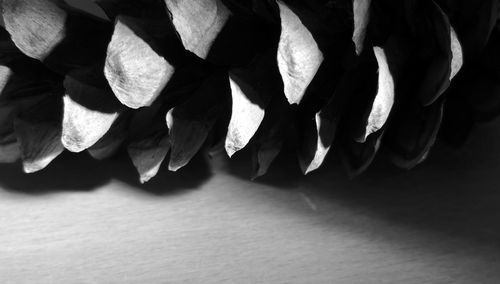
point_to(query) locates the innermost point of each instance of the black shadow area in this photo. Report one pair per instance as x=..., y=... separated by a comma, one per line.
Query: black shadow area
x=80, y=172
x=455, y=192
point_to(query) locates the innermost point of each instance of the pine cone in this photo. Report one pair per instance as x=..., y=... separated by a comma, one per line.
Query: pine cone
x=164, y=79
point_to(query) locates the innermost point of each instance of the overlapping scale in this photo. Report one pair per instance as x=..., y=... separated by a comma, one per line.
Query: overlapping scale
x=167, y=79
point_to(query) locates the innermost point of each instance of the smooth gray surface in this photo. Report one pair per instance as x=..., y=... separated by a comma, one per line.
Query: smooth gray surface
x=87, y=222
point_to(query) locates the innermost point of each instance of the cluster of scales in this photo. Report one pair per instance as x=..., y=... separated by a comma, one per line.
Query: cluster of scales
x=164, y=79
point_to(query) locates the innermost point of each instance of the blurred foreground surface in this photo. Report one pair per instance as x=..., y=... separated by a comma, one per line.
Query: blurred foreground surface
x=82, y=221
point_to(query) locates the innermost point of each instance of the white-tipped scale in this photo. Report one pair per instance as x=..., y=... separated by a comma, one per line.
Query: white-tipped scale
x=110, y=143
x=299, y=56
x=198, y=22
x=148, y=154
x=246, y=117
x=457, y=54
x=40, y=144
x=36, y=26
x=384, y=99
x=361, y=13
x=135, y=72
x=193, y=134
x=320, y=151
x=83, y=127
x=5, y=75
x=446, y=64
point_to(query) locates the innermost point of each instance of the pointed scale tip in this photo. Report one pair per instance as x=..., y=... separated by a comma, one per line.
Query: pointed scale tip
x=320, y=151
x=231, y=147
x=299, y=56
x=135, y=72
x=148, y=154
x=246, y=117
x=83, y=127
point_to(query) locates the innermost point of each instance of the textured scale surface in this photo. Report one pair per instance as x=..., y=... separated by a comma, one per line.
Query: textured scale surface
x=168, y=79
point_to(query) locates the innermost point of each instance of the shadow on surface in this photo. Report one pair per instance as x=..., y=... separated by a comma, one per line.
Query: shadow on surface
x=456, y=192
x=190, y=177
x=69, y=172
x=80, y=172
